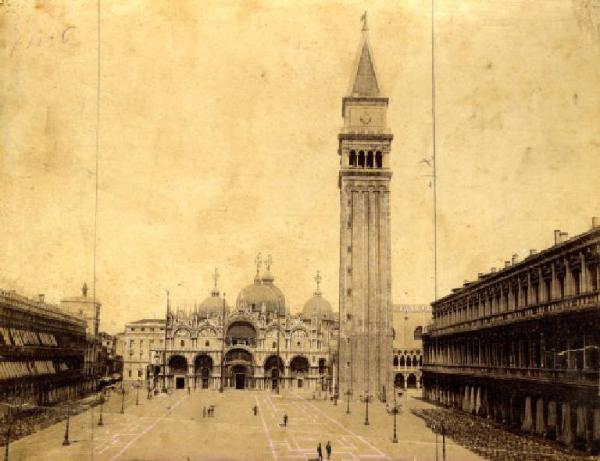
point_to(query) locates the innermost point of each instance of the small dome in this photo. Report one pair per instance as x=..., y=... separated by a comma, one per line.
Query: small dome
x=262, y=292
x=319, y=307
x=213, y=305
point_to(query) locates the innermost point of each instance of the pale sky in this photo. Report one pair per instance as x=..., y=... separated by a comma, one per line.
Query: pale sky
x=218, y=139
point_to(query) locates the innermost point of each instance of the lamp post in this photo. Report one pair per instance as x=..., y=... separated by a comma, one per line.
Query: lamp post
x=348, y=393
x=366, y=398
x=66, y=439
x=437, y=428
x=100, y=422
x=122, y=399
x=394, y=410
x=8, y=436
x=223, y=347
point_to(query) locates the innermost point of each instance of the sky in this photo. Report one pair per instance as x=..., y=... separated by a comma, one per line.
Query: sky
x=216, y=139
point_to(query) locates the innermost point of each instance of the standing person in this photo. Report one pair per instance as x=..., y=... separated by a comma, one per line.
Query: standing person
x=204, y=412
x=320, y=452
x=328, y=449
x=285, y=419
x=255, y=409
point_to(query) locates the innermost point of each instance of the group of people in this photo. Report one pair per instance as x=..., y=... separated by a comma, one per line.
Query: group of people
x=327, y=450
x=208, y=411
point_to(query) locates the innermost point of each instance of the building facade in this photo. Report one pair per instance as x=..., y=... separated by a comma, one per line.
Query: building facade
x=138, y=342
x=409, y=321
x=365, y=263
x=521, y=345
x=257, y=344
x=42, y=350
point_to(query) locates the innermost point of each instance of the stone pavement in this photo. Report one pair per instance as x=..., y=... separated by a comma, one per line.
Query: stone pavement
x=172, y=428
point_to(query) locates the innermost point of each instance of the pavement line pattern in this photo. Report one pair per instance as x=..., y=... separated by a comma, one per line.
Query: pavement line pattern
x=145, y=431
x=362, y=439
x=266, y=430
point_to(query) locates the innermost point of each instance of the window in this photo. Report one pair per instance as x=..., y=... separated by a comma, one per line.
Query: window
x=379, y=159
x=143, y=329
x=352, y=158
x=129, y=373
x=207, y=343
x=182, y=343
x=274, y=344
x=370, y=159
x=139, y=373
x=418, y=333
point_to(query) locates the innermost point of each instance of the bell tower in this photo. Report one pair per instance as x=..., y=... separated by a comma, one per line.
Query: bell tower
x=365, y=347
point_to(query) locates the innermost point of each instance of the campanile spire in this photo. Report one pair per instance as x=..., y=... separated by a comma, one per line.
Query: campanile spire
x=365, y=279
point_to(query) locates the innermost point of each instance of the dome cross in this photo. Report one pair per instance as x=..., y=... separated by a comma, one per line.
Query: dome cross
x=318, y=281
x=258, y=261
x=216, y=276
x=268, y=262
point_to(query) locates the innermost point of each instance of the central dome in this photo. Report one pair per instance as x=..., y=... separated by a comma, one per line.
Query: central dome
x=319, y=307
x=262, y=292
x=212, y=306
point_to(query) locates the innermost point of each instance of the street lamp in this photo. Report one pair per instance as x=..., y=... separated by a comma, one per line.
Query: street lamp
x=439, y=427
x=11, y=418
x=100, y=422
x=366, y=398
x=348, y=393
x=122, y=399
x=394, y=410
x=66, y=439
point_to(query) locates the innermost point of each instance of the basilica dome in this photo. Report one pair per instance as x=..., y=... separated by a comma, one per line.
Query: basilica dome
x=213, y=305
x=319, y=307
x=262, y=291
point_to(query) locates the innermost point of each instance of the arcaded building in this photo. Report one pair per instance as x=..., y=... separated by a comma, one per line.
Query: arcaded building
x=520, y=345
x=256, y=344
x=409, y=321
x=43, y=352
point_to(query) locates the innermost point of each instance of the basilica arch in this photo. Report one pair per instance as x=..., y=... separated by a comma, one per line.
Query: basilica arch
x=203, y=371
x=274, y=369
x=178, y=370
x=241, y=332
x=239, y=369
x=299, y=369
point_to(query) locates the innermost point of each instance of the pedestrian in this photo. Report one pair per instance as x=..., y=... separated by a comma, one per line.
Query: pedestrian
x=319, y=452
x=189, y=390
x=285, y=419
x=328, y=449
x=255, y=408
x=204, y=412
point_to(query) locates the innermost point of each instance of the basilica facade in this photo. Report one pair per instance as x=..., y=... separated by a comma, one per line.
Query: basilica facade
x=256, y=344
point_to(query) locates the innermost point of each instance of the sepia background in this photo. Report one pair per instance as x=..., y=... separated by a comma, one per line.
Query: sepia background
x=217, y=140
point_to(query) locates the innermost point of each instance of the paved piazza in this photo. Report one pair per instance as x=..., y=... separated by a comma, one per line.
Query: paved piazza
x=172, y=428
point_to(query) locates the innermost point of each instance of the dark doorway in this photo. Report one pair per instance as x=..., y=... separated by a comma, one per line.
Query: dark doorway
x=399, y=381
x=411, y=382
x=240, y=381
x=179, y=383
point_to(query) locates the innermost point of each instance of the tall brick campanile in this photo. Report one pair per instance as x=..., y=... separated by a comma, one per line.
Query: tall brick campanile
x=365, y=348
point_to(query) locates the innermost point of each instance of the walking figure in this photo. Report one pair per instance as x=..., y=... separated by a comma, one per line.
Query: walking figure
x=204, y=412
x=285, y=419
x=320, y=452
x=255, y=409
x=328, y=449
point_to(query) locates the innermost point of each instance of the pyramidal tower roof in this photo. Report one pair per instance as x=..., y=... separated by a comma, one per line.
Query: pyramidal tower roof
x=365, y=83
